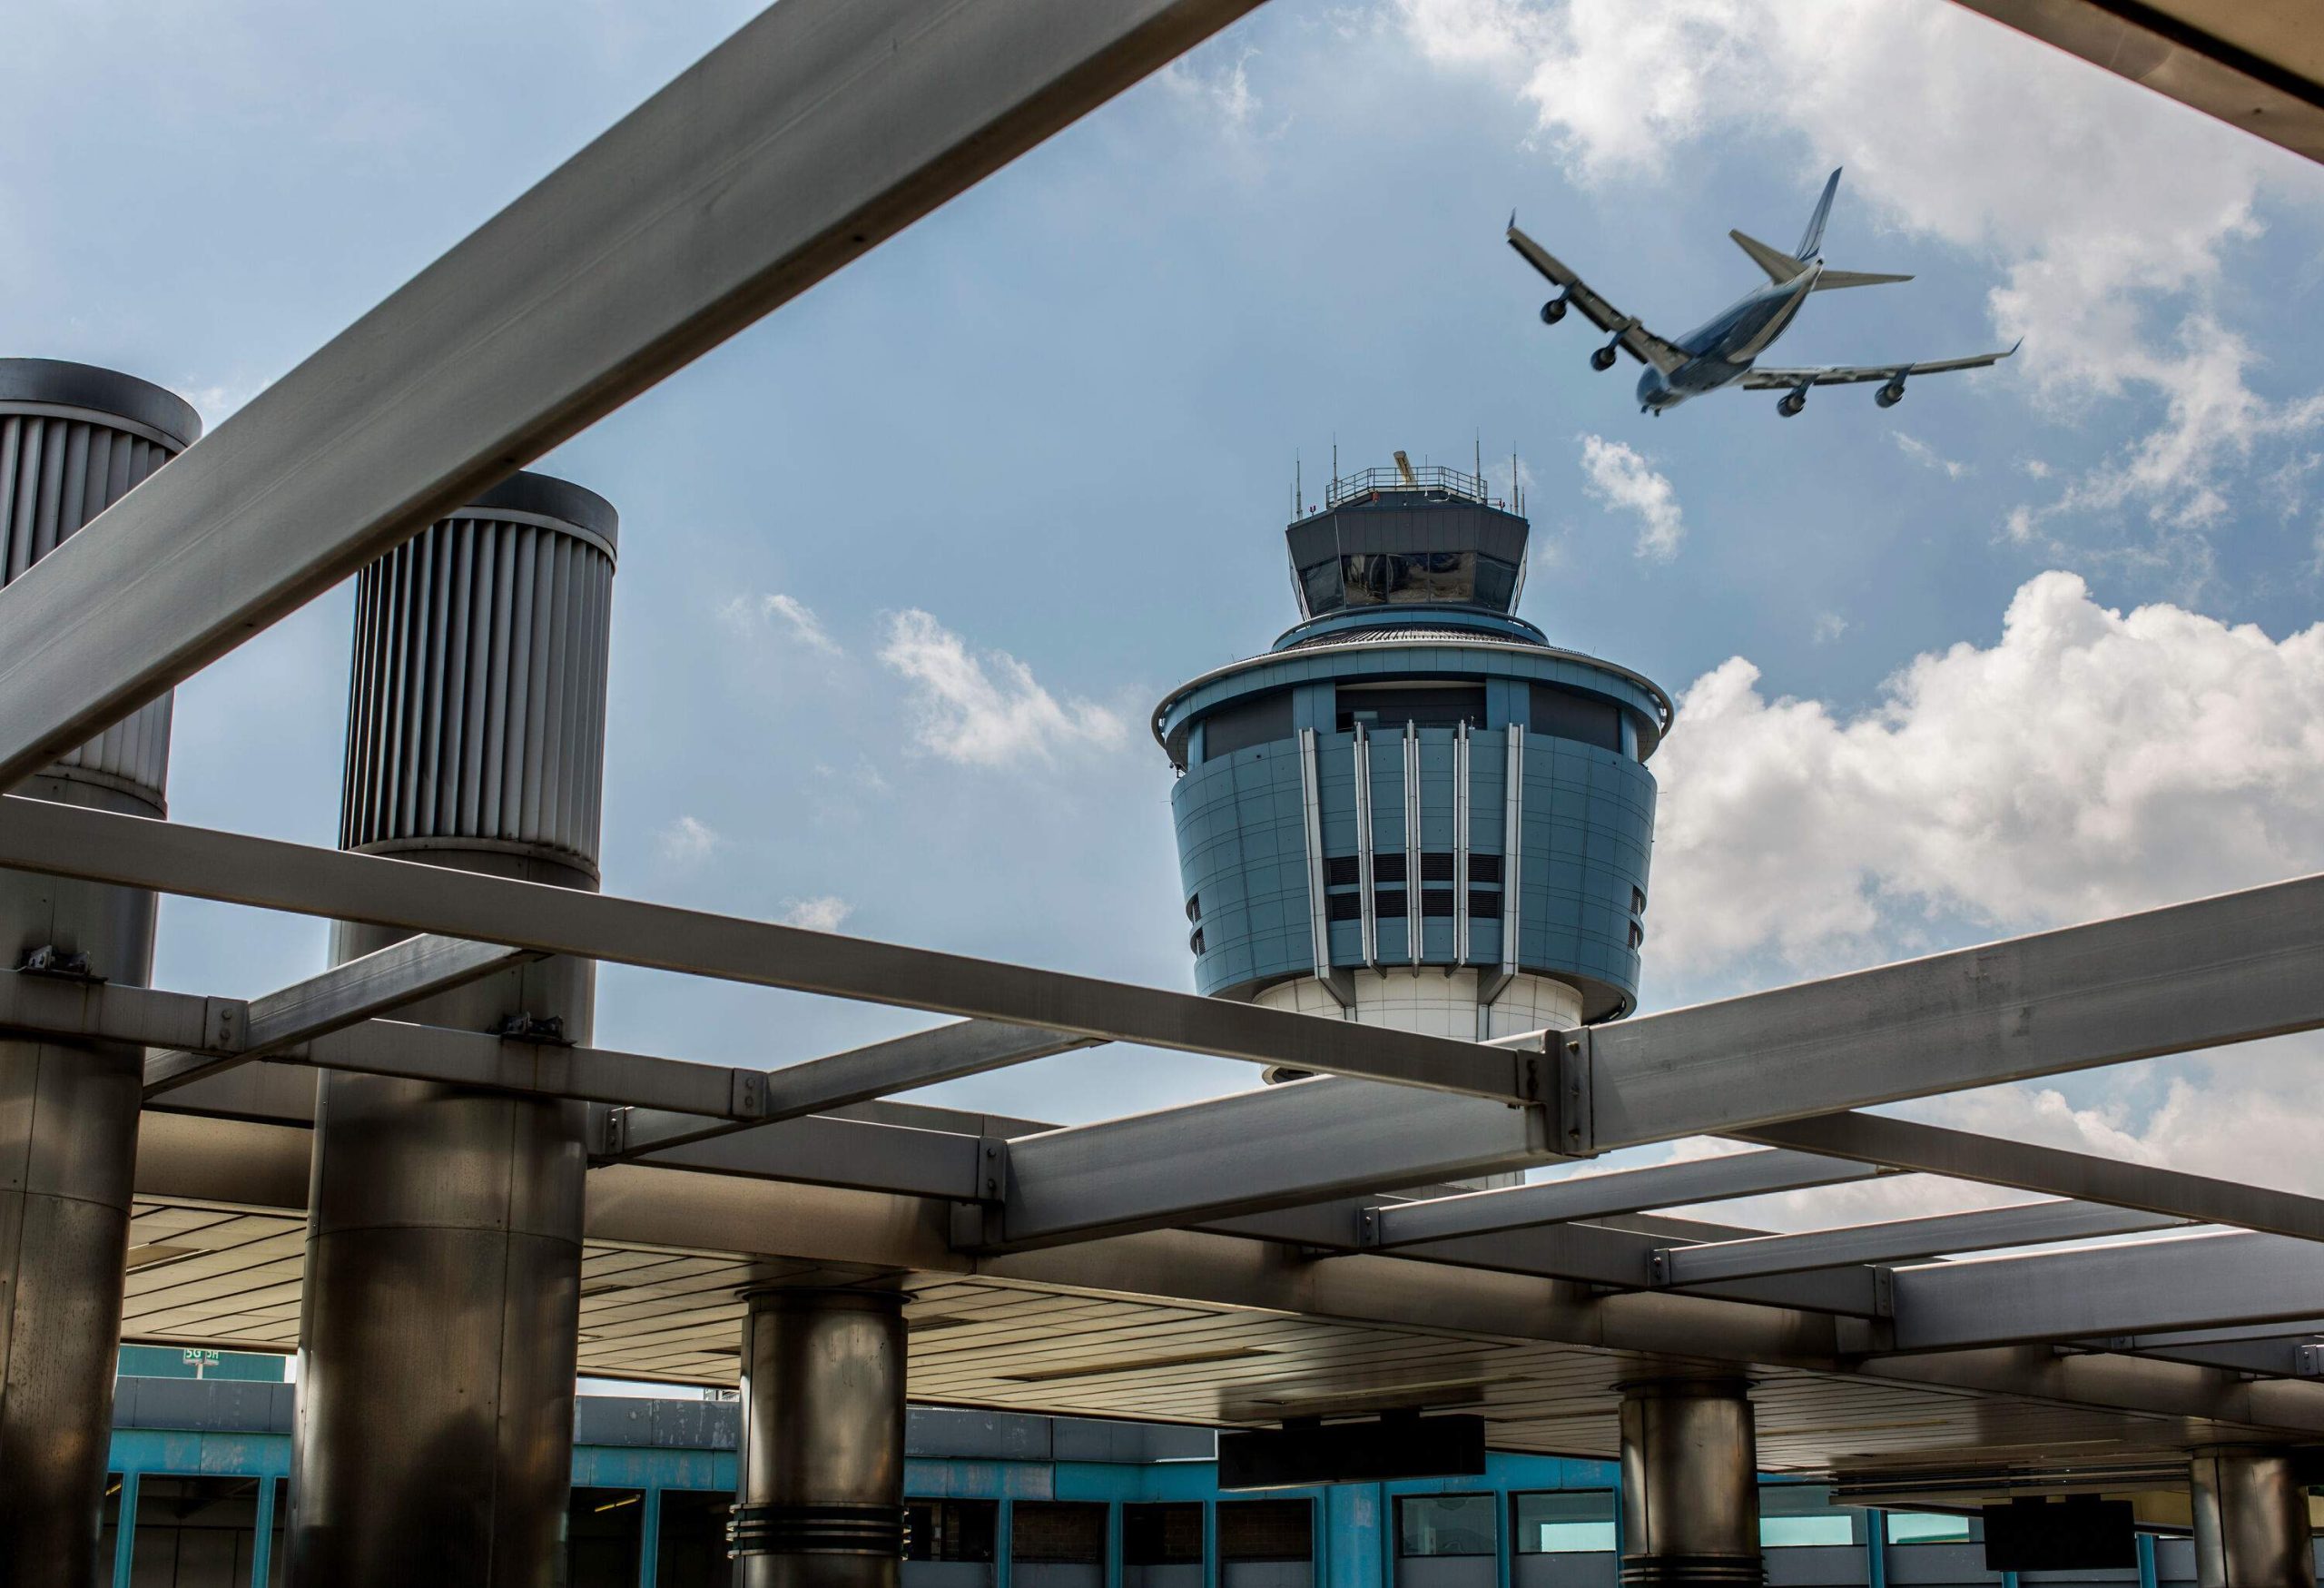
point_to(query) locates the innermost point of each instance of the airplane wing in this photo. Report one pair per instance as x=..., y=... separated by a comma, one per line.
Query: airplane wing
x=1636, y=340
x=1762, y=379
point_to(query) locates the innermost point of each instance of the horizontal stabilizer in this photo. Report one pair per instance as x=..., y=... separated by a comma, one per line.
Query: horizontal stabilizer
x=1830, y=280
x=1781, y=266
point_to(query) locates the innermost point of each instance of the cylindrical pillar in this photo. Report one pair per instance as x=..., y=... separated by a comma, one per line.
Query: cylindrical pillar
x=441, y=1325
x=2251, y=1528
x=821, y=1501
x=1690, y=1496
x=73, y=441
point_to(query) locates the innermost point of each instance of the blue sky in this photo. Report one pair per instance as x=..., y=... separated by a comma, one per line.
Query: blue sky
x=905, y=565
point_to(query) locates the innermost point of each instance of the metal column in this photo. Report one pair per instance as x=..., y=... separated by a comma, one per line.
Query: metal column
x=820, y=1503
x=438, y=1350
x=1690, y=1496
x=2251, y=1528
x=73, y=440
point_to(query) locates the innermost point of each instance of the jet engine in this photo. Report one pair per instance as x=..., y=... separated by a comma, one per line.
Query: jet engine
x=1553, y=310
x=1890, y=395
x=1603, y=359
x=1791, y=403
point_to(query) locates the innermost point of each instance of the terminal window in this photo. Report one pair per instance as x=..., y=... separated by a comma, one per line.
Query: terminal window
x=1802, y=1515
x=950, y=1530
x=1564, y=1521
x=1059, y=1531
x=1267, y=1529
x=1162, y=1536
x=1445, y=1524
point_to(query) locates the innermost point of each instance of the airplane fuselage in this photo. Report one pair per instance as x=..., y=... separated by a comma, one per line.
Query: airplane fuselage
x=1723, y=348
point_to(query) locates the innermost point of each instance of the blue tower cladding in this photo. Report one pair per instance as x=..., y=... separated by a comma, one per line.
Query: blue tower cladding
x=1413, y=811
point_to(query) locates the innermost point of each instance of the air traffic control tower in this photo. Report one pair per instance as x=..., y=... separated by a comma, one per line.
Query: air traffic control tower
x=1413, y=811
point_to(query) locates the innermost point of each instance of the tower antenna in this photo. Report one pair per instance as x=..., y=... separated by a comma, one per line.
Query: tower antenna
x=1298, y=495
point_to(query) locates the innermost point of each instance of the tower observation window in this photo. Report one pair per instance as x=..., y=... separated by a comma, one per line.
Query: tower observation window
x=1395, y=578
x=1246, y=723
x=1578, y=718
x=1423, y=706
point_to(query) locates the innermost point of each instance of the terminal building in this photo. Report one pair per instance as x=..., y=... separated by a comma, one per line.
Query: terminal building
x=1000, y=1500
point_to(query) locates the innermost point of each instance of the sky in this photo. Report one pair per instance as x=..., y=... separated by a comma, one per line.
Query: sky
x=905, y=567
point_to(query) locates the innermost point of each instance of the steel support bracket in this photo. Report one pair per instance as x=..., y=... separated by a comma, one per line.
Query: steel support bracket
x=2308, y=1361
x=609, y=1130
x=1883, y=1290
x=1568, y=1064
x=980, y=1221
x=747, y=1097
x=225, y=1024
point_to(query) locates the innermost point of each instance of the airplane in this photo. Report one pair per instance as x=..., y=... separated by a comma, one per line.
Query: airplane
x=1724, y=351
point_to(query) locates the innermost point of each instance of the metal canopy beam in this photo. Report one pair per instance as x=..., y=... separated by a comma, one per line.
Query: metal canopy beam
x=818, y=1085
x=1902, y=1240
x=1585, y=1197
x=1301, y=1142
x=1593, y=1254
x=2253, y=67
x=342, y=996
x=170, y=858
x=2192, y=1282
x=2223, y=969
x=1963, y=1155
x=819, y=129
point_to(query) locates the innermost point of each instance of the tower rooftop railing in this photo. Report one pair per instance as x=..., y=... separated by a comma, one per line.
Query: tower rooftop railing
x=1433, y=481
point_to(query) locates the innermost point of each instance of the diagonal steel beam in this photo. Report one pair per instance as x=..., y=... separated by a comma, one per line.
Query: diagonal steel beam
x=1586, y=1198
x=344, y=995
x=1901, y=1240
x=969, y=1046
x=2221, y=969
x=172, y=858
x=1963, y=1154
x=818, y=130
x=1305, y=1141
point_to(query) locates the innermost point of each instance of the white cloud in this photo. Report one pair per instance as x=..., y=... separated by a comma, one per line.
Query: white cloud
x=1221, y=93
x=686, y=841
x=2090, y=762
x=793, y=617
x=1619, y=477
x=825, y=912
x=1829, y=627
x=986, y=710
x=1929, y=457
x=2105, y=205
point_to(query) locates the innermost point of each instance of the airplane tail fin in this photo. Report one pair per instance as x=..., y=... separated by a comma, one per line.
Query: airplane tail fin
x=1812, y=241
x=1832, y=279
x=1781, y=266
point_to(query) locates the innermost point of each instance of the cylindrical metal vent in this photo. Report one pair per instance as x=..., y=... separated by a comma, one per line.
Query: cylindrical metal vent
x=1690, y=1496
x=73, y=440
x=476, y=719
x=476, y=741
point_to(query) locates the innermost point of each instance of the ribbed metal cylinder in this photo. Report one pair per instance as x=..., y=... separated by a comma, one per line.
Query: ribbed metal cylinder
x=441, y=1331
x=1690, y=1496
x=477, y=716
x=2252, y=1525
x=73, y=440
x=820, y=1501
